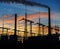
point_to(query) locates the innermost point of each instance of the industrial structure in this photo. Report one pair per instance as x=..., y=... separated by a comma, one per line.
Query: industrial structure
x=27, y=3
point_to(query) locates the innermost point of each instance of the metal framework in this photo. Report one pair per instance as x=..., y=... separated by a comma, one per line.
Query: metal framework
x=30, y=4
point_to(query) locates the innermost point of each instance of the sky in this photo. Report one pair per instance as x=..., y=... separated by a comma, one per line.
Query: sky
x=14, y=8
x=55, y=9
x=10, y=9
x=7, y=9
x=53, y=4
x=33, y=12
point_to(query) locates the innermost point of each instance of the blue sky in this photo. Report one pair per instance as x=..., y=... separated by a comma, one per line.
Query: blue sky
x=17, y=8
x=55, y=9
x=53, y=4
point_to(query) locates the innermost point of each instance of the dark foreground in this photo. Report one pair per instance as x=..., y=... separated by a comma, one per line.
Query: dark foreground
x=50, y=42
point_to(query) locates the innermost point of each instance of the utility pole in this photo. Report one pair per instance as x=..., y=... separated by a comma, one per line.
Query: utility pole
x=3, y=26
x=31, y=26
x=39, y=27
x=15, y=36
x=49, y=22
x=43, y=28
x=25, y=32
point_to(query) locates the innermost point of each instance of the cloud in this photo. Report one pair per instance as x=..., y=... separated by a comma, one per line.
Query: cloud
x=8, y=19
x=55, y=16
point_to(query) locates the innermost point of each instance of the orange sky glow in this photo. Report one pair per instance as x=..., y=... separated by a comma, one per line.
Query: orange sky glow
x=30, y=17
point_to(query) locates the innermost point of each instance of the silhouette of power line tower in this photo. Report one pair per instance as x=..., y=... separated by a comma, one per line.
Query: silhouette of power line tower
x=39, y=24
x=31, y=22
x=38, y=27
x=25, y=29
x=31, y=26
